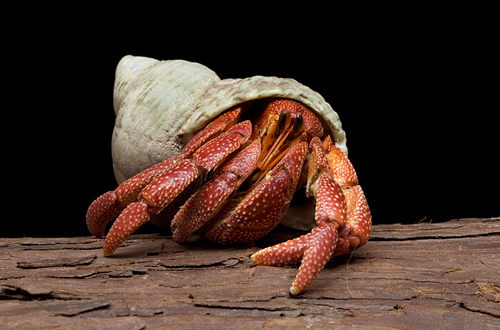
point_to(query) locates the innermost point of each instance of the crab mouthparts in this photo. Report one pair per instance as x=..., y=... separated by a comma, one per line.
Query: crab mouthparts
x=274, y=147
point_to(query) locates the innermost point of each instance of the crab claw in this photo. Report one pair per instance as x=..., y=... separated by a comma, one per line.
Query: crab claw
x=208, y=201
x=359, y=221
x=262, y=208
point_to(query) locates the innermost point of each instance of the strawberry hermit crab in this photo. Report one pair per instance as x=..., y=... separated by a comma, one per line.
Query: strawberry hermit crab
x=245, y=166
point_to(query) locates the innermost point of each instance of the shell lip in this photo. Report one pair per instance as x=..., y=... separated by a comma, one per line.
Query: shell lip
x=230, y=92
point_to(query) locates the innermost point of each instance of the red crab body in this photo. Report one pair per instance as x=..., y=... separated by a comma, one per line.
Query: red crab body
x=266, y=162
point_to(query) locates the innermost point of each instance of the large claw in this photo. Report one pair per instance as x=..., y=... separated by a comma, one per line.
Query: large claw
x=262, y=208
x=208, y=201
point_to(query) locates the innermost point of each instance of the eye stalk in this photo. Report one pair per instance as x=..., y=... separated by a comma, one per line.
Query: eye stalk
x=297, y=125
x=282, y=121
x=283, y=125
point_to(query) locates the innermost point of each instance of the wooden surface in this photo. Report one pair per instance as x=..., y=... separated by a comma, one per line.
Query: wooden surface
x=422, y=276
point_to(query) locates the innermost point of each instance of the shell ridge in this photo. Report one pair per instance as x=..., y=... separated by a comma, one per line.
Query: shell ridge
x=160, y=104
x=230, y=92
x=152, y=100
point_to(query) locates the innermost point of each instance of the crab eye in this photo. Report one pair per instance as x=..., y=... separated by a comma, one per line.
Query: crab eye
x=297, y=125
x=282, y=121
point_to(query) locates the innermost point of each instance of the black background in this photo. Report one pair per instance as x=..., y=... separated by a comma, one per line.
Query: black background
x=415, y=95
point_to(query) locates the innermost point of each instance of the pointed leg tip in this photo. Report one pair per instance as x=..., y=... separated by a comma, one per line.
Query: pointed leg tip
x=294, y=291
x=97, y=235
x=135, y=215
x=111, y=244
x=256, y=258
x=107, y=253
x=102, y=210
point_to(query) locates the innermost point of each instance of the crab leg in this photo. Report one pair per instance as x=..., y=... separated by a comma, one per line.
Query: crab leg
x=359, y=221
x=313, y=249
x=355, y=234
x=333, y=211
x=108, y=206
x=166, y=187
x=208, y=201
x=255, y=215
x=357, y=230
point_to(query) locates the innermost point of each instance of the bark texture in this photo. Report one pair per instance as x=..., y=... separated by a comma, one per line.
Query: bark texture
x=419, y=276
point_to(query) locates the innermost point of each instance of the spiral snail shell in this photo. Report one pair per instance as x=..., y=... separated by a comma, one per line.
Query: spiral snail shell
x=159, y=105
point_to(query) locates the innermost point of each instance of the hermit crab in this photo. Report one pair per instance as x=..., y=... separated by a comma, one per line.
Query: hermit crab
x=224, y=158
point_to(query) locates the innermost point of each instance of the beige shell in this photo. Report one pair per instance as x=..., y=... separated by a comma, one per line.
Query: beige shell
x=159, y=105
x=152, y=100
x=229, y=92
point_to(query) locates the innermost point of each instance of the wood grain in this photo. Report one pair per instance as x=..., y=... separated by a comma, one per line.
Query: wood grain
x=418, y=276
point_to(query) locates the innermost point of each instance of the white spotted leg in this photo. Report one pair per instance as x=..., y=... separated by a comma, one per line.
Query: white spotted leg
x=262, y=208
x=336, y=209
x=165, y=188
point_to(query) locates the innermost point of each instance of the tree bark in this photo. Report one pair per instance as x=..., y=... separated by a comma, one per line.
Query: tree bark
x=419, y=276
